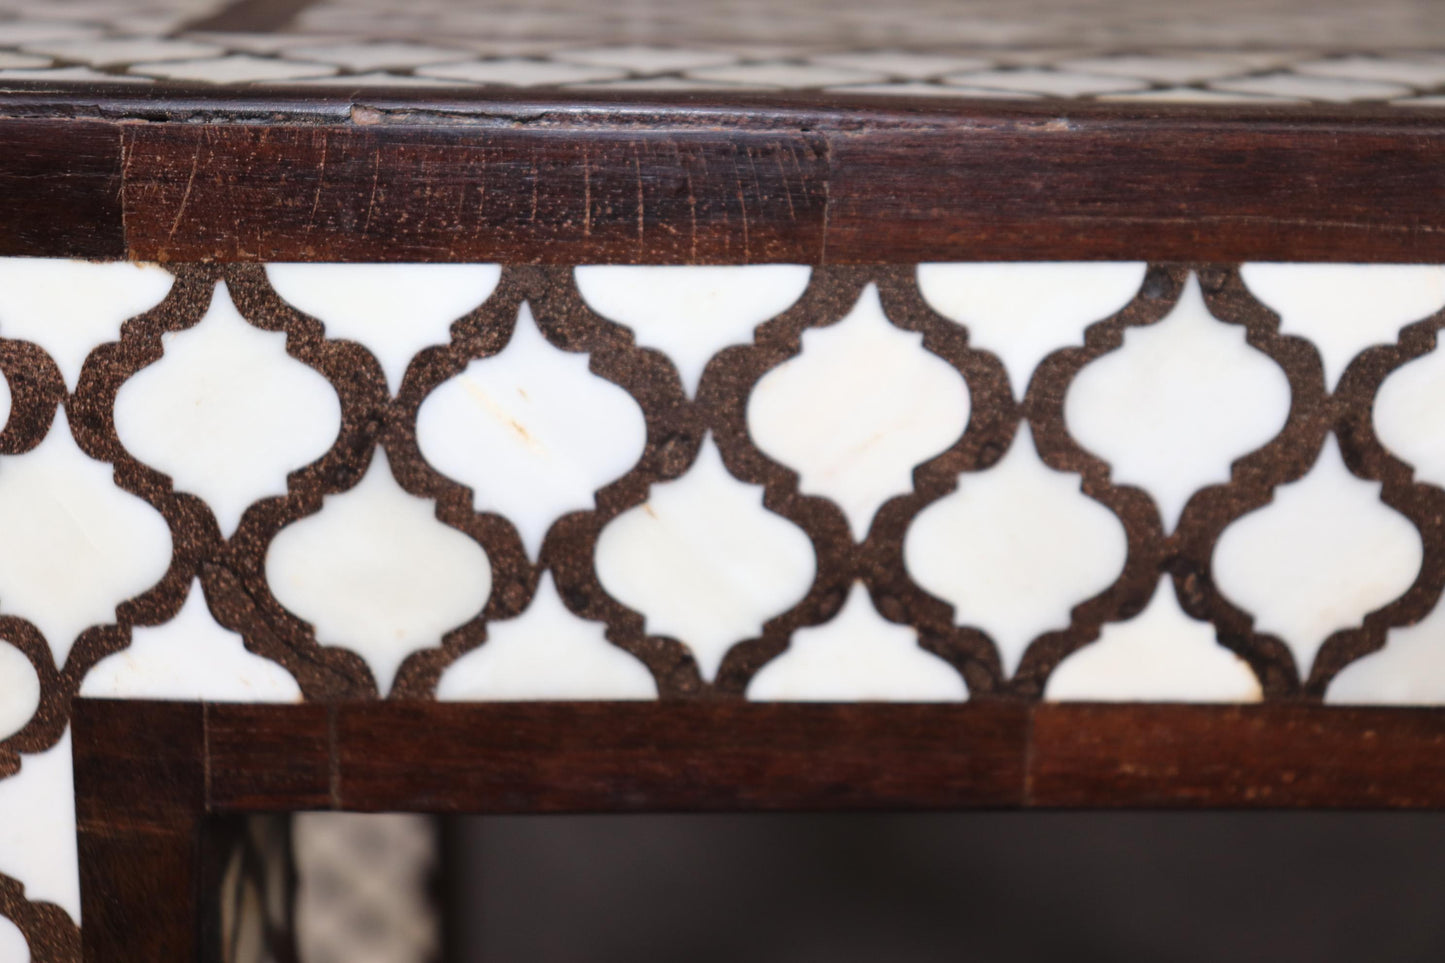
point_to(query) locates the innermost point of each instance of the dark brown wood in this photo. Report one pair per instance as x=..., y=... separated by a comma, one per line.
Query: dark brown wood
x=1160, y=189
x=154, y=831
x=705, y=755
x=381, y=175
x=1265, y=756
x=60, y=189
x=253, y=765
x=693, y=756
x=460, y=193
x=140, y=798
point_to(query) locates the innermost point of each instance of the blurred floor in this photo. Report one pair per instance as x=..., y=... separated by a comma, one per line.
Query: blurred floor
x=1119, y=887
x=365, y=892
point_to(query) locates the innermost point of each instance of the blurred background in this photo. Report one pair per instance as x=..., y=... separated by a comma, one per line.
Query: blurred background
x=838, y=888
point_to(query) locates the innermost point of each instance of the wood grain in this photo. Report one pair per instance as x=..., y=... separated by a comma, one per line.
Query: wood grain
x=731, y=755
x=392, y=175
x=153, y=836
x=1156, y=188
x=624, y=757
x=1266, y=756
x=139, y=800
x=60, y=189
x=254, y=765
x=471, y=193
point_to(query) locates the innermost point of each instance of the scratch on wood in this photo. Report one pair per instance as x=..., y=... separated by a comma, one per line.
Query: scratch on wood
x=481, y=194
x=190, y=182
x=827, y=148
x=641, y=202
x=375, y=179
x=586, y=193
x=320, y=181
x=127, y=155
x=691, y=207
x=743, y=205
x=757, y=181
x=783, y=180
x=533, y=218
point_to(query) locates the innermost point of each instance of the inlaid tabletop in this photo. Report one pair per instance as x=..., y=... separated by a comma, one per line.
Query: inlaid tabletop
x=1228, y=52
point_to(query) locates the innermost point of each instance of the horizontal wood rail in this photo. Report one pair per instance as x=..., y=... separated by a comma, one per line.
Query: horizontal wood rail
x=153, y=779
x=172, y=175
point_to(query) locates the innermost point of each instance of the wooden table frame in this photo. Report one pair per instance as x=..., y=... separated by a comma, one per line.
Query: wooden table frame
x=157, y=781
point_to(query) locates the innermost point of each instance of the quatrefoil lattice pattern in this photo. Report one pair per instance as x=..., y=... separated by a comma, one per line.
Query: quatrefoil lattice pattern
x=1045, y=481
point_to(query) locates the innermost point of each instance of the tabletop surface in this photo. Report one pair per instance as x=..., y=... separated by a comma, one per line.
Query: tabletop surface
x=1225, y=52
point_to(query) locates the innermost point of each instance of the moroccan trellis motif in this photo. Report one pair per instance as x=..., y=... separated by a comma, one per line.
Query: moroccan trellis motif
x=1124, y=50
x=471, y=482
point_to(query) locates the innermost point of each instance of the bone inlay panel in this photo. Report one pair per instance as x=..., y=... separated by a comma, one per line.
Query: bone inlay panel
x=1015, y=548
x=531, y=431
x=375, y=571
x=1318, y=558
x=922, y=483
x=1280, y=52
x=1178, y=403
x=196, y=414
x=857, y=409
x=76, y=546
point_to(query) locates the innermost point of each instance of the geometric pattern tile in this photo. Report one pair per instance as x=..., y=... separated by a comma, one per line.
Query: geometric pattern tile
x=748, y=519
x=1121, y=50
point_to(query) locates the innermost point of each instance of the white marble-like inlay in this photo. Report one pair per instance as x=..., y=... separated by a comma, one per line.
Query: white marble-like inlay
x=531, y=431
x=1024, y=311
x=370, y=56
x=1318, y=558
x=688, y=312
x=234, y=69
x=62, y=75
x=19, y=32
x=37, y=828
x=1160, y=68
x=19, y=690
x=704, y=561
x=782, y=74
x=375, y=78
x=375, y=572
x=1196, y=95
x=1427, y=71
x=117, y=51
x=1328, y=89
x=1051, y=83
x=858, y=409
x=13, y=948
x=1408, y=419
x=516, y=72
x=1015, y=548
x=394, y=310
x=1345, y=308
x=900, y=63
x=1172, y=409
x=641, y=58
x=226, y=412
x=546, y=653
x=70, y=307
x=922, y=89
x=1160, y=655
x=1409, y=670
x=857, y=656
x=189, y=657
x=76, y=545
x=5, y=401
x=15, y=61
